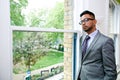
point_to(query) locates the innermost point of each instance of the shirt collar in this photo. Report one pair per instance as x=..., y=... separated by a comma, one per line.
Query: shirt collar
x=93, y=33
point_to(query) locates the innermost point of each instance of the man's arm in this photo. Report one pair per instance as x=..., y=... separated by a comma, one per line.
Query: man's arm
x=108, y=53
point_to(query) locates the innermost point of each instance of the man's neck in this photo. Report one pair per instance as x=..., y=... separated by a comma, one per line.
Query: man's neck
x=89, y=32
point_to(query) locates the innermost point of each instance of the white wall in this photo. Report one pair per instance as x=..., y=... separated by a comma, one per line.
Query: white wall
x=99, y=7
x=5, y=42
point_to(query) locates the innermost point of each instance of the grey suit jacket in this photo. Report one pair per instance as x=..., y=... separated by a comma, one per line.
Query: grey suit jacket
x=99, y=60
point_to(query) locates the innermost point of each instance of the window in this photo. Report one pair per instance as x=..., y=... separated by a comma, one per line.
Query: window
x=37, y=34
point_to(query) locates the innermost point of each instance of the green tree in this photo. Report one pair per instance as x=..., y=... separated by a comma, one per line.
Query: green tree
x=17, y=19
x=118, y=1
x=30, y=49
x=36, y=18
x=48, y=18
x=55, y=19
x=16, y=6
x=16, y=16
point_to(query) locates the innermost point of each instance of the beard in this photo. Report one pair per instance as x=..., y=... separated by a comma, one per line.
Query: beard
x=87, y=29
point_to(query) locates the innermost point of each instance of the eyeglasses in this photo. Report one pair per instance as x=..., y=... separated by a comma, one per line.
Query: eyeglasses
x=85, y=20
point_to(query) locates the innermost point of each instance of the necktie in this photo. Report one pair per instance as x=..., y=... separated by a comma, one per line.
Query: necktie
x=84, y=45
x=84, y=48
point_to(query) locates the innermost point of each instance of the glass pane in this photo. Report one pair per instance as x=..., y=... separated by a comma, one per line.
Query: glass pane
x=37, y=55
x=37, y=13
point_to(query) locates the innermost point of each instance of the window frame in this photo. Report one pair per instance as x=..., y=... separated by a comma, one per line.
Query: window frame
x=74, y=43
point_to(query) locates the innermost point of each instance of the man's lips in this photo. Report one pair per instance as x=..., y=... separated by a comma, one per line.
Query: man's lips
x=84, y=26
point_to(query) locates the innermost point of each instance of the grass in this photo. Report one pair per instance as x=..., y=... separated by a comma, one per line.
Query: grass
x=52, y=57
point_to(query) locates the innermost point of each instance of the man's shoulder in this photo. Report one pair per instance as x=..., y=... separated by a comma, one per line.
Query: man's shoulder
x=105, y=37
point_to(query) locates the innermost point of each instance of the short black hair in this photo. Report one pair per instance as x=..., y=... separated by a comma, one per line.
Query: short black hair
x=87, y=12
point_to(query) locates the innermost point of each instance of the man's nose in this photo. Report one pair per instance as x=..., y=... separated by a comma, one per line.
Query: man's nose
x=83, y=22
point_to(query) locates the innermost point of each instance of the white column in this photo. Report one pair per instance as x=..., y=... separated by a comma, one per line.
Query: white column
x=117, y=31
x=5, y=42
x=117, y=50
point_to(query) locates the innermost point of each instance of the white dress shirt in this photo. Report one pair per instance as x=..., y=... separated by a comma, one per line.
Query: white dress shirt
x=92, y=35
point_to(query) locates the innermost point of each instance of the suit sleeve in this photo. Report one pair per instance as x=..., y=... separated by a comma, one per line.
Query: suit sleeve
x=108, y=53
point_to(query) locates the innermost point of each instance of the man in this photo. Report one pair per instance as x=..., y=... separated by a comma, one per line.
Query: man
x=97, y=58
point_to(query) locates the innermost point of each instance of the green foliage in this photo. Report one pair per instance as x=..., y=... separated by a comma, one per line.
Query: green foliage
x=30, y=48
x=36, y=18
x=52, y=57
x=56, y=17
x=118, y=1
x=55, y=38
x=39, y=18
x=17, y=35
x=16, y=12
x=17, y=18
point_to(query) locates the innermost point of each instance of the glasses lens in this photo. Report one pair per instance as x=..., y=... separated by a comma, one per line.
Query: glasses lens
x=85, y=20
x=80, y=22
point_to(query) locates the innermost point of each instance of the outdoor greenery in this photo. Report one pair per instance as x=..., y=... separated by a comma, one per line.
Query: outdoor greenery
x=55, y=17
x=52, y=57
x=118, y=1
x=32, y=47
x=32, y=50
x=17, y=18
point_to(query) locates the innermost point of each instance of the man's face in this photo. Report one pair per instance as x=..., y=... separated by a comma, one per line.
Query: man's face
x=88, y=23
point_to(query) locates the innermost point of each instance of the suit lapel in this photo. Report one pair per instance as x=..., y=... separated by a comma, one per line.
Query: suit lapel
x=81, y=42
x=92, y=44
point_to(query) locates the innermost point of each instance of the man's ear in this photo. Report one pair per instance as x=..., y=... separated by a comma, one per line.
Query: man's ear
x=95, y=21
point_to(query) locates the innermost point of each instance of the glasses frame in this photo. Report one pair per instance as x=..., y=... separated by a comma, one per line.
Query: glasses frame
x=85, y=20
